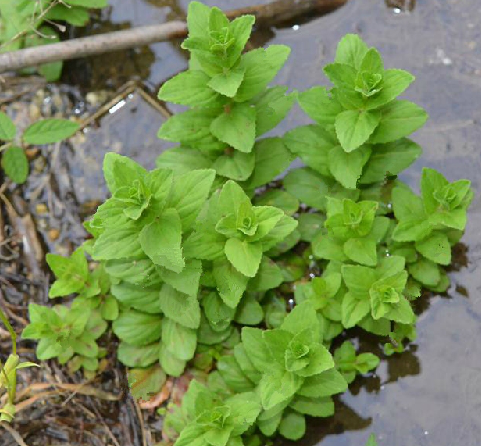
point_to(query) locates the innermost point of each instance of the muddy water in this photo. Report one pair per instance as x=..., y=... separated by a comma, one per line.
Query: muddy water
x=430, y=395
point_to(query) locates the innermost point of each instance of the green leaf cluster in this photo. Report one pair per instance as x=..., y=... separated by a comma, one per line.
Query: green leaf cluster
x=69, y=334
x=14, y=161
x=27, y=24
x=429, y=225
x=230, y=103
x=361, y=128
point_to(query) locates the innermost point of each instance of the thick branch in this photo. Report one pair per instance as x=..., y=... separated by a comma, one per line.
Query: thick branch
x=270, y=14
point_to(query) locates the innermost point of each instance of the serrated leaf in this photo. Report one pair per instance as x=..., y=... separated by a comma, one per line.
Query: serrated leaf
x=354, y=128
x=48, y=131
x=144, y=383
x=180, y=307
x=161, y=241
x=389, y=160
x=137, y=328
x=398, y=119
x=189, y=88
x=271, y=159
x=133, y=356
x=351, y=50
x=236, y=127
x=245, y=257
x=346, y=167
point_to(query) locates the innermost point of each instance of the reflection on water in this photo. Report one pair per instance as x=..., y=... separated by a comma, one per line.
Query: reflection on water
x=429, y=395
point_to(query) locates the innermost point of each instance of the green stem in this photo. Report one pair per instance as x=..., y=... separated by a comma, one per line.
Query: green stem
x=12, y=387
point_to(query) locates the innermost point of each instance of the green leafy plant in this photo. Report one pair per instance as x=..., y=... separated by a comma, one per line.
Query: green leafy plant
x=14, y=160
x=208, y=265
x=8, y=374
x=69, y=334
x=231, y=103
x=30, y=23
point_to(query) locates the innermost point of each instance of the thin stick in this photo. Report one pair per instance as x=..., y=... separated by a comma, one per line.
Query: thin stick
x=14, y=434
x=270, y=14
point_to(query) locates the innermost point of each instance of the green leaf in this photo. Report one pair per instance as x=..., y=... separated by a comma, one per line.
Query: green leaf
x=261, y=66
x=232, y=374
x=256, y=349
x=120, y=171
x=351, y=50
x=182, y=160
x=353, y=310
x=76, y=16
x=272, y=107
x=98, y=4
x=277, y=387
x=341, y=75
x=271, y=159
x=372, y=440
x=170, y=364
x=161, y=241
x=237, y=127
x=189, y=193
x=187, y=281
x=436, y=248
x=279, y=199
x=237, y=166
x=312, y=144
x=229, y=82
x=425, y=271
x=109, y=309
x=394, y=83
x=314, y=407
x=249, y=312
x=244, y=256
x=48, y=131
x=320, y=106
x=307, y=186
x=189, y=88
x=231, y=283
x=141, y=298
x=179, y=340
x=302, y=316
x=372, y=62
x=8, y=129
x=389, y=160
x=398, y=119
x=293, y=426
x=180, y=307
x=310, y=224
x=268, y=276
x=346, y=167
x=15, y=164
x=361, y=250
x=353, y=128
x=133, y=356
x=217, y=312
x=137, y=328
x=144, y=383
x=327, y=383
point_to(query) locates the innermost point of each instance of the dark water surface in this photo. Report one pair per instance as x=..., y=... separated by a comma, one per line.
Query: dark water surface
x=430, y=395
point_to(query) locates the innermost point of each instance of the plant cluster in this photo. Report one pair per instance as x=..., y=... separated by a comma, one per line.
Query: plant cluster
x=14, y=160
x=30, y=23
x=204, y=263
